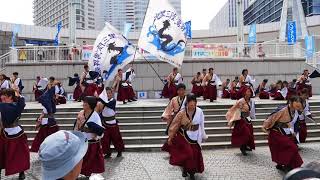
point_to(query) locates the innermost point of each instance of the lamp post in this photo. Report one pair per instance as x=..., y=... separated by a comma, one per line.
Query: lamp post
x=73, y=4
x=240, y=34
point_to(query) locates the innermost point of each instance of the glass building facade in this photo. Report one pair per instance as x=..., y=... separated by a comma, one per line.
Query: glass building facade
x=265, y=11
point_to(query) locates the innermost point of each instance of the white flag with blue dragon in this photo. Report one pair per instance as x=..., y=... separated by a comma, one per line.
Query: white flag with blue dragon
x=111, y=51
x=163, y=33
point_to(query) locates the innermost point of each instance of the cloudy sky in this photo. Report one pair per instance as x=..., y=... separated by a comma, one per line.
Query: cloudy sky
x=199, y=11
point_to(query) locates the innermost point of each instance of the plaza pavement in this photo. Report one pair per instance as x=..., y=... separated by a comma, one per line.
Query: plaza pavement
x=220, y=164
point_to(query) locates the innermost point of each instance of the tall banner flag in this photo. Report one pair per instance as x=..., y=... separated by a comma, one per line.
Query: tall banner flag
x=292, y=32
x=163, y=33
x=188, y=30
x=15, y=31
x=252, y=38
x=56, y=39
x=126, y=29
x=310, y=46
x=111, y=51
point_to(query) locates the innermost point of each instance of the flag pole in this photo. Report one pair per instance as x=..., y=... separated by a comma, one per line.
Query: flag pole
x=152, y=68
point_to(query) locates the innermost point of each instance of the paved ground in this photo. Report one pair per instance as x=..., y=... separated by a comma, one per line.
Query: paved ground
x=163, y=102
x=219, y=164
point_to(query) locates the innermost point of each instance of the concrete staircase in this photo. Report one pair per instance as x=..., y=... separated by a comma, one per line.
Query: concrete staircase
x=142, y=129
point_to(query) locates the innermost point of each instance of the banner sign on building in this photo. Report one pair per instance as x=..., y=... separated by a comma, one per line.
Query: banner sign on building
x=252, y=34
x=86, y=52
x=292, y=32
x=310, y=46
x=204, y=51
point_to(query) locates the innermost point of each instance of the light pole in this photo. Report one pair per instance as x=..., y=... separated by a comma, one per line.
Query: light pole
x=73, y=4
x=240, y=34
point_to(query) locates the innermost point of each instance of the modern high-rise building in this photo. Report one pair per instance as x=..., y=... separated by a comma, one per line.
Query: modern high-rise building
x=119, y=12
x=265, y=11
x=311, y=7
x=227, y=16
x=50, y=12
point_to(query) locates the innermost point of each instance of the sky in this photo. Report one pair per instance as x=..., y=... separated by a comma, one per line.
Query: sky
x=200, y=12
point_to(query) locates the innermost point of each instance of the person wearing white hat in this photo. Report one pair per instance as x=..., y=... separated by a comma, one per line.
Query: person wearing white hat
x=61, y=155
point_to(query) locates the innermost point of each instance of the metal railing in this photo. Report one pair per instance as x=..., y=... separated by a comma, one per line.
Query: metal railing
x=5, y=58
x=193, y=51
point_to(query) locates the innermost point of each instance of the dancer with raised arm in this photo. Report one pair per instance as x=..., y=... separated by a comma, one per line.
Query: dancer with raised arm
x=14, y=149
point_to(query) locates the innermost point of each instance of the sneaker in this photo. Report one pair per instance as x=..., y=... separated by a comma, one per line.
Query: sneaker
x=107, y=156
x=243, y=151
x=280, y=167
x=184, y=173
x=192, y=176
x=119, y=154
x=22, y=176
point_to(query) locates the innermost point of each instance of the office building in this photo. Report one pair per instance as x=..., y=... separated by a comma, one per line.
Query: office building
x=119, y=12
x=50, y=12
x=227, y=16
x=265, y=11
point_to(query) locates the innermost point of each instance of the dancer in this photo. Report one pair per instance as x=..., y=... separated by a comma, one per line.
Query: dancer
x=17, y=81
x=240, y=116
x=176, y=104
x=304, y=82
x=234, y=88
x=226, y=89
x=282, y=91
x=75, y=80
x=14, y=149
x=4, y=82
x=129, y=77
x=245, y=81
x=210, y=82
x=262, y=90
x=39, y=87
x=197, y=89
x=107, y=109
x=87, y=81
x=46, y=123
x=89, y=122
x=120, y=87
x=283, y=150
x=186, y=134
x=303, y=132
x=173, y=79
x=60, y=94
x=292, y=88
